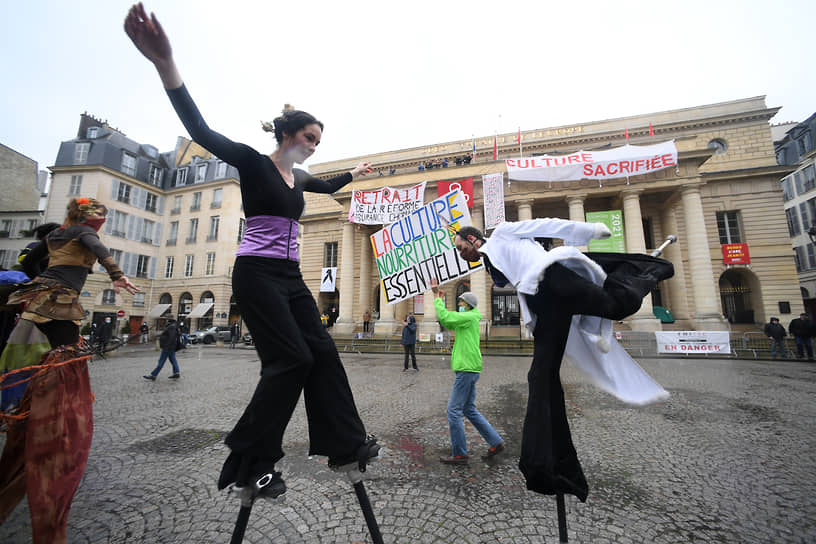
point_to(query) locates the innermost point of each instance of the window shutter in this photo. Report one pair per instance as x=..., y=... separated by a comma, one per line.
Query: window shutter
x=142, y=199
x=109, y=222
x=131, y=228
x=114, y=188
x=125, y=264
x=160, y=205
x=157, y=235
x=152, y=269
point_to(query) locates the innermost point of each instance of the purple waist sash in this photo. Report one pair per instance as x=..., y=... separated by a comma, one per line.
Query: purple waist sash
x=270, y=236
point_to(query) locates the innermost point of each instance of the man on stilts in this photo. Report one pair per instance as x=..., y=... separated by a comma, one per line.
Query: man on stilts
x=567, y=300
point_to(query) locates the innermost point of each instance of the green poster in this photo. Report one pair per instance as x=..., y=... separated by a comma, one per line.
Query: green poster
x=614, y=220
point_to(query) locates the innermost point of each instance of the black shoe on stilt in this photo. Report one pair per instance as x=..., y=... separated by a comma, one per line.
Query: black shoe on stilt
x=367, y=453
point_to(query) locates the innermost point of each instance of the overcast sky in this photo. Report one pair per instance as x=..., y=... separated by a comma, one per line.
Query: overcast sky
x=390, y=75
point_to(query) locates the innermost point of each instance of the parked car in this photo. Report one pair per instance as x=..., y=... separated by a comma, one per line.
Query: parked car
x=248, y=339
x=210, y=335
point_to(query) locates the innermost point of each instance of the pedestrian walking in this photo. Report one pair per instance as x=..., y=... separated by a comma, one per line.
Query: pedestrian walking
x=803, y=329
x=144, y=330
x=297, y=354
x=567, y=299
x=776, y=334
x=235, y=332
x=168, y=342
x=466, y=362
x=408, y=341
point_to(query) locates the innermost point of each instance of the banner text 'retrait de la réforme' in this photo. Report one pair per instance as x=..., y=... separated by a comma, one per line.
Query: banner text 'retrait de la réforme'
x=419, y=246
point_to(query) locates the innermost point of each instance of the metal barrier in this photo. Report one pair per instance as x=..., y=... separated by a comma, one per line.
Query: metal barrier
x=747, y=345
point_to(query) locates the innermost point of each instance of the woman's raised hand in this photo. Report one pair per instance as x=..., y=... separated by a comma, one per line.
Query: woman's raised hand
x=361, y=170
x=148, y=35
x=124, y=283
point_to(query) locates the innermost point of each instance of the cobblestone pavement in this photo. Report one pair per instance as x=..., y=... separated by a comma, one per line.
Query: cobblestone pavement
x=730, y=457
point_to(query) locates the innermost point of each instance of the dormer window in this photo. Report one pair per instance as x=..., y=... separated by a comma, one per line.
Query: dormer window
x=128, y=164
x=93, y=132
x=81, y=153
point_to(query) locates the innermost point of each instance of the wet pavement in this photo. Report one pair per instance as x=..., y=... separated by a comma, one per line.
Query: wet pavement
x=730, y=457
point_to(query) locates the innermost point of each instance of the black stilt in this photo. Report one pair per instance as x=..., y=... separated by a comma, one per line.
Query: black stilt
x=247, y=499
x=241, y=524
x=368, y=512
x=562, y=518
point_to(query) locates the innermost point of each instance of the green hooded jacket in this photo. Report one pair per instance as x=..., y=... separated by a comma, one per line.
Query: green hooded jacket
x=466, y=356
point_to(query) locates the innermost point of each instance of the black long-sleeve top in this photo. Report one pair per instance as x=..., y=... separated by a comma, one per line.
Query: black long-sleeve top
x=263, y=189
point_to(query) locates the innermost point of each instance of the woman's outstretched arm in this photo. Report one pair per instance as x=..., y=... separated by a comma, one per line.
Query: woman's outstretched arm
x=149, y=37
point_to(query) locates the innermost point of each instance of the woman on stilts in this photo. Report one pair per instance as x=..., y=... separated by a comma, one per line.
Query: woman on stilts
x=45, y=454
x=297, y=354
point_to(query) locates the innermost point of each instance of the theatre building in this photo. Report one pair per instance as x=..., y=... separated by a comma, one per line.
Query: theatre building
x=734, y=267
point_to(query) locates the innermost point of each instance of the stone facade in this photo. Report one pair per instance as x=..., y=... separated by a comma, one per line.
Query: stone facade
x=727, y=169
x=20, y=208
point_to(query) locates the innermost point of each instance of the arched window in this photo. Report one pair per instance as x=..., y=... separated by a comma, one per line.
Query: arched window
x=166, y=298
x=185, y=304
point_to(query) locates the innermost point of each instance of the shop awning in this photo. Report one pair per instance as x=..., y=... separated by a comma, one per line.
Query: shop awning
x=157, y=310
x=200, y=310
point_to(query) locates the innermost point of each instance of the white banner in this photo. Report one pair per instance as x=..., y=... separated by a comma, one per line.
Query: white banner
x=419, y=247
x=328, y=279
x=493, y=194
x=629, y=160
x=693, y=342
x=385, y=206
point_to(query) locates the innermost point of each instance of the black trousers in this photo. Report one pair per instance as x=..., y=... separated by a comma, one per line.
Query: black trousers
x=60, y=333
x=548, y=458
x=410, y=350
x=297, y=354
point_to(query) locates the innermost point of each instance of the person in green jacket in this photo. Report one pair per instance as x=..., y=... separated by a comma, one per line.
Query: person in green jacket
x=466, y=362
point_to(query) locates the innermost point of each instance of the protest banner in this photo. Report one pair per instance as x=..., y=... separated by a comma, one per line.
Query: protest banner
x=693, y=342
x=419, y=247
x=493, y=192
x=620, y=162
x=466, y=185
x=384, y=206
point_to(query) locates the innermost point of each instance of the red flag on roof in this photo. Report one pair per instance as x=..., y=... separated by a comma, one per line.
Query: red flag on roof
x=626, y=134
x=651, y=130
x=495, y=148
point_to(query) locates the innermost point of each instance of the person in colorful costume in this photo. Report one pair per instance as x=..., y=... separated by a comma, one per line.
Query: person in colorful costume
x=567, y=301
x=45, y=454
x=297, y=354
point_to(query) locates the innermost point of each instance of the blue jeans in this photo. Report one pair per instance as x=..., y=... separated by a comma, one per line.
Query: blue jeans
x=778, y=344
x=165, y=353
x=461, y=403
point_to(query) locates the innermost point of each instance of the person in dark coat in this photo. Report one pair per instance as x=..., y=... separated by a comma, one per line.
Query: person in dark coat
x=167, y=342
x=777, y=334
x=409, y=328
x=803, y=329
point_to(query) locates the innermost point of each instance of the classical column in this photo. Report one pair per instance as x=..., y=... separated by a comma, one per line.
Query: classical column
x=385, y=325
x=678, y=301
x=576, y=211
x=707, y=315
x=643, y=319
x=345, y=322
x=364, y=291
x=525, y=209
